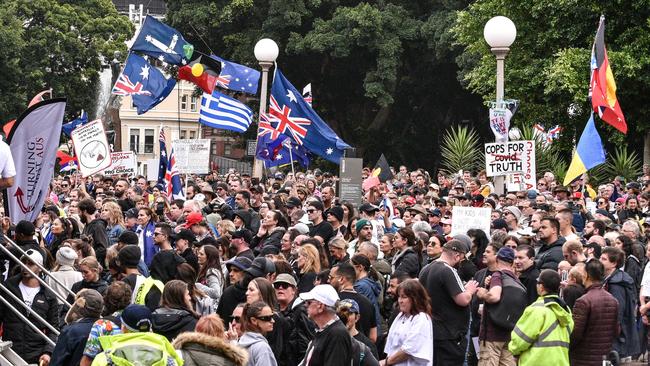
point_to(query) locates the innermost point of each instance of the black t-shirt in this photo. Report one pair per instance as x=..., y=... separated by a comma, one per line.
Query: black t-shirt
x=248, y=253
x=163, y=265
x=450, y=321
x=324, y=230
x=368, y=319
x=331, y=347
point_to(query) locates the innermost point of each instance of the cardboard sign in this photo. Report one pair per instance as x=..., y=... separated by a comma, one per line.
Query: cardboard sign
x=192, y=156
x=503, y=158
x=528, y=178
x=153, y=165
x=91, y=148
x=465, y=218
x=123, y=162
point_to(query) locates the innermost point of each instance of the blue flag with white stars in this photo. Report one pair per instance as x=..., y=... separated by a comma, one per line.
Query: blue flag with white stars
x=145, y=84
x=237, y=77
x=277, y=149
x=296, y=119
x=67, y=128
x=163, y=42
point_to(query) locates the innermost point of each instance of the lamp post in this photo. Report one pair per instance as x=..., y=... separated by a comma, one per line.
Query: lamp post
x=499, y=33
x=266, y=52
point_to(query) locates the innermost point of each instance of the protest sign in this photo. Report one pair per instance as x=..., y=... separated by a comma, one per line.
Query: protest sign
x=122, y=162
x=527, y=179
x=465, y=218
x=500, y=123
x=351, y=180
x=192, y=156
x=503, y=158
x=152, y=169
x=91, y=148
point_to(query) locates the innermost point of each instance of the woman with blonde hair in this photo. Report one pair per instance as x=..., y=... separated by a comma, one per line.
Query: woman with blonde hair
x=308, y=267
x=91, y=277
x=225, y=227
x=112, y=213
x=207, y=345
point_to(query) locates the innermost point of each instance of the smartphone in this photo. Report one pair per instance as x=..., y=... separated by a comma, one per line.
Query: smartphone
x=565, y=275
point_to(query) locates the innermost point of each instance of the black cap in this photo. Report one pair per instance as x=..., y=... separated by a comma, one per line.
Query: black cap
x=293, y=202
x=336, y=211
x=261, y=267
x=131, y=213
x=186, y=235
x=368, y=207
x=243, y=234
x=25, y=227
x=456, y=246
x=129, y=256
x=128, y=237
x=136, y=318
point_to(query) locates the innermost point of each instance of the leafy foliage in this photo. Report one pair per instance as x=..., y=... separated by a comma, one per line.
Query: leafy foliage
x=58, y=44
x=461, y=150
x=621, y=163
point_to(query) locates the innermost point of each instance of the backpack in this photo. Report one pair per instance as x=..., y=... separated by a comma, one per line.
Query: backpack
x=514, y=300
x=362, y=355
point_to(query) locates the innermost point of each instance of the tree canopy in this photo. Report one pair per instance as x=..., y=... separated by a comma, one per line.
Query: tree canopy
x=58, y=44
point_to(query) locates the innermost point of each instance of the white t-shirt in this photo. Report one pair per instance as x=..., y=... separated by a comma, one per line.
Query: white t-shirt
x=413, y=335
x=645, y=281
x=7, y=168
x=29, y=293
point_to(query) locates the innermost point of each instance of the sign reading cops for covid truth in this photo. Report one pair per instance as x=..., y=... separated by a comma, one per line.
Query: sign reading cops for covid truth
x=503, y=158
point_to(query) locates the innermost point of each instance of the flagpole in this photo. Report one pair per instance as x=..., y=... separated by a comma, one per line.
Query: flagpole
x=266, y=52
x=291, y=157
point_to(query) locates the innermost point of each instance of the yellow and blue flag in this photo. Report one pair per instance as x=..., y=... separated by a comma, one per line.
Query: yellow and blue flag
x=588, y=154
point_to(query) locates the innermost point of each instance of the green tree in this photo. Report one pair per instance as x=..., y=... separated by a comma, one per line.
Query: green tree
x=548, y=65
x=58, y=44
x=383, y=73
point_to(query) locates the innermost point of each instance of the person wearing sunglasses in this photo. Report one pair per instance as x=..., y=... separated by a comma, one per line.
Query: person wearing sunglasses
x=256, y=321
x=285, y=286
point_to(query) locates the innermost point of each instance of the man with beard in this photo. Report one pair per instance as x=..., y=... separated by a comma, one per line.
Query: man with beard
x=593, y=227
x=27, y=343
x=550, y=253
x=121, y=188
x=95, y=228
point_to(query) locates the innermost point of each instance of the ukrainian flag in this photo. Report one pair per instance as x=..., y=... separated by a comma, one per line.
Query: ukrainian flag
x=588, y=154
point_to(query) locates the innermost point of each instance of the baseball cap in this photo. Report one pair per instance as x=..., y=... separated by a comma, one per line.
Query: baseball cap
x=25, y=227
x=325, y=294
x=242, y=234
x=456, y=246
x=368, y=207
x=293, y=202
x=33, y=255
x=286, y=278
x=302, y=228
x=351, y=304
x=186, y=235
x=261, y=267
x=131, y=213
x=136, y=318
x=435, y=212
x=506, y=254
x=242, y=263
x=445, y=221
x=193, y=218
x=88, y=303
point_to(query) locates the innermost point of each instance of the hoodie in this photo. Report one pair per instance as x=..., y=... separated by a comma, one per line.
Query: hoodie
x=171, y=322
x=259, y=351
x=622, y=287
x=200, y=349
x=370, y=289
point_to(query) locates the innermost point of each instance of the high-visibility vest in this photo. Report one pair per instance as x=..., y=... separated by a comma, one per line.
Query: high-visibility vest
x=142, y=287
x=136, y=349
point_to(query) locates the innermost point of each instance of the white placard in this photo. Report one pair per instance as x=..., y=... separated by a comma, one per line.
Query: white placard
x=192, y=156
x=152, y=169
x=91, y=148
x=122, y=162
x=527, y=179
x=465, y=218
x=503, y=158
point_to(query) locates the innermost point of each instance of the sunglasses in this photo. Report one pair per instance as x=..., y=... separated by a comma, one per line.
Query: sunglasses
x=265, y=318
x=311, y=211
x=236, y=318
x=281, y=285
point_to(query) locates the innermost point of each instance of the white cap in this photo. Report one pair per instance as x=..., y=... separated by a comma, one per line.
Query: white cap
x=34, y=255
x=325, y=294
x=302, y=228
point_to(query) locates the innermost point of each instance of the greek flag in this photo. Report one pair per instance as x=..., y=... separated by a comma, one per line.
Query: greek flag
x=221, y=111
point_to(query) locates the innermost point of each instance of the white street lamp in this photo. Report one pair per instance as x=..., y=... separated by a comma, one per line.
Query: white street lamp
x=500, y=32
x=266, y=52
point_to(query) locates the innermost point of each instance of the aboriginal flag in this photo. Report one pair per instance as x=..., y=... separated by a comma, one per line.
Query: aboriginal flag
x=603, y=88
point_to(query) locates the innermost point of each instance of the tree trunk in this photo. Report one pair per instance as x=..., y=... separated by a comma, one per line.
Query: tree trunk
x=646, y=153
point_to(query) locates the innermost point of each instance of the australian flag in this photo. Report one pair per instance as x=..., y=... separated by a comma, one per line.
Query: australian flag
x=296, y=119
x=145, y=84
x=162, y=166
x=173, y=182
x=163, y=42
x=275, y=148
x=237, y=77
x=67, y=128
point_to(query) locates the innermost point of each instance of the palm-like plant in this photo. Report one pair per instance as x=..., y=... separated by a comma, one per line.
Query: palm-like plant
x=621, y=163
x=548, y=158
x=461, y=150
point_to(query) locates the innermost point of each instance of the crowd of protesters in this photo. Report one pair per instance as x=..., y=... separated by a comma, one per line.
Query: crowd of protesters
x=283, y=272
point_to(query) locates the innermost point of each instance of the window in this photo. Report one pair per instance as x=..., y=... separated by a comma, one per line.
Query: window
x=134, y=139
x=184, y=103
x=227, y=149
x=193, y=103
x=148, y=141
x=183, y=134
x=192, y=135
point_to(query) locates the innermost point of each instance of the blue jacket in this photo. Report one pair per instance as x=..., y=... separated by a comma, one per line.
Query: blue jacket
x=370, y=289
x=72, y=340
